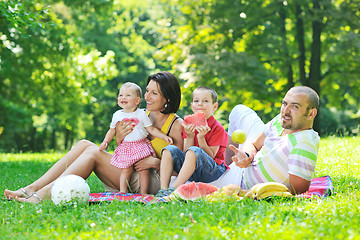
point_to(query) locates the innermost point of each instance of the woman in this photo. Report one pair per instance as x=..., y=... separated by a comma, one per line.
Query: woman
x=163, y=96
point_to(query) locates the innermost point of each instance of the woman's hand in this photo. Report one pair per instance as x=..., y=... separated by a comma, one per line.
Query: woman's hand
x=241, y=159
x=123, y=128
x=146, y=163
x=169, y=140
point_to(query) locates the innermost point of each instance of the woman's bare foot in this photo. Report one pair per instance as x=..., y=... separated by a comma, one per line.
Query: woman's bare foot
x=21, y=193
x=33, y=198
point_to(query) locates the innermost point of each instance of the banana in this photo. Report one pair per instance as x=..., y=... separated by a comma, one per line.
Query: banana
x=270, y=186
x=253, y=190
x=273, y=193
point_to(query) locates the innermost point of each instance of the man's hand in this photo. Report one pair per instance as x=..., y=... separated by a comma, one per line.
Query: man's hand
x=240, y=158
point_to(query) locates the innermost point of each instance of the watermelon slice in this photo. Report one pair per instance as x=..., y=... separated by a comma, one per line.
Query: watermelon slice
x=192, y=191
x=206, y=188
x=198, y=119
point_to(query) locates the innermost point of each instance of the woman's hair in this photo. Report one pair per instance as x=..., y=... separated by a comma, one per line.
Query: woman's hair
x=170, y=90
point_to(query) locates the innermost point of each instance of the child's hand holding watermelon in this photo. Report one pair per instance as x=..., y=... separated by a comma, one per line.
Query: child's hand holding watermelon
x=196, y=119
x=202, y=130
x=189, y=130
x=198, y=122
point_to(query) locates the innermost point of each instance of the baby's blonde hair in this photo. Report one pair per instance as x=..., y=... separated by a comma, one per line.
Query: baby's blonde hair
x=133, y=86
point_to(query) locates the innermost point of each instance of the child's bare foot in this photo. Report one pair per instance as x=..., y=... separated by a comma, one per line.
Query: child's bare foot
x=21, y=193
x=33, y=198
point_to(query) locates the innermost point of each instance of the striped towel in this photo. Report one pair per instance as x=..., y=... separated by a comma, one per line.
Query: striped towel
x=319, y=187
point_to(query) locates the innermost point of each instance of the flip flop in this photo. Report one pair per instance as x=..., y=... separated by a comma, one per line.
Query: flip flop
x=24, y=193
x=34, y=195
x=39, y=198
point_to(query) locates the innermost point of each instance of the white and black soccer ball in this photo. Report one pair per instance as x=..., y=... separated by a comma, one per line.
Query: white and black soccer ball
x=70, y=189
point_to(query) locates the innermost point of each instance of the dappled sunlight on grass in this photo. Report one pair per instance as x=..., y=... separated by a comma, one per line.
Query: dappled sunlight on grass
x=43, y=157
x=340, y=158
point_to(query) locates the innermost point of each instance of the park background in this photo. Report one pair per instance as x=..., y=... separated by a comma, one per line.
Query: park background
x=62, y=62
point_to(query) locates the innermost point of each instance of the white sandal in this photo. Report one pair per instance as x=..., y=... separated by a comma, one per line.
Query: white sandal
x=34, y=195
x=24, y=193
x=39, y=198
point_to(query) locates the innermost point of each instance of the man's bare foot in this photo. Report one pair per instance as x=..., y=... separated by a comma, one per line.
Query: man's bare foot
x=21, y=193
x=33, y=198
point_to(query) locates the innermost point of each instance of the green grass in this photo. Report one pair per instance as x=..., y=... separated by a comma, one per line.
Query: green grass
x=335, y=217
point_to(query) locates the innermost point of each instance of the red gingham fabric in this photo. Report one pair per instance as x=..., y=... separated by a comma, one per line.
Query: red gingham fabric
x=128, y=153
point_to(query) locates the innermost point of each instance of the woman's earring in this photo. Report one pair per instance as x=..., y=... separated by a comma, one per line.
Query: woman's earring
x=166, y=105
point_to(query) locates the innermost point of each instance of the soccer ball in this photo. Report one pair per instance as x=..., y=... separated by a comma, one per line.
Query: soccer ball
x=70, y=189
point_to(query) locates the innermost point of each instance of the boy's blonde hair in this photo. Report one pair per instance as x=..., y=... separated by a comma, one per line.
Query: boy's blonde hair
x=213, y=93
x=134, y=87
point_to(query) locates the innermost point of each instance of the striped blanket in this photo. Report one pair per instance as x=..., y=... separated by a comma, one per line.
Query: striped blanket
x=320, y=187
x=123, y=197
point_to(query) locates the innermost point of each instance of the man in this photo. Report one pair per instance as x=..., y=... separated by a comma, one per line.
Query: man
x=286, y=151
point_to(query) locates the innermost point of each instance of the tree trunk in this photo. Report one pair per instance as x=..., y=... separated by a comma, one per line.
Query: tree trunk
x=287, y=63
x=315, y=62
x=67, y=138
x=301, y=43
x=53, y=140
x=33, y=142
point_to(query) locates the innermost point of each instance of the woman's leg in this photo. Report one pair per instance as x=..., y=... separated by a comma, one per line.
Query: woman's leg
x=125, y=178
x=92, y=159
x=144, y=181
x=53, y=173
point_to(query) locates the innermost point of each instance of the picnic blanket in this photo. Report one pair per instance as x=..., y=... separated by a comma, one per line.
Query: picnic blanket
x=320, y=187
x=123, y=197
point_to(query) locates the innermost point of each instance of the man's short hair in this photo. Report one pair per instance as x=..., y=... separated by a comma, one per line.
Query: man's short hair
x=314, y=100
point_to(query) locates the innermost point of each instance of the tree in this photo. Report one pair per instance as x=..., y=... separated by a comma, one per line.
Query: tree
x=265, y=47
x=42, y=88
